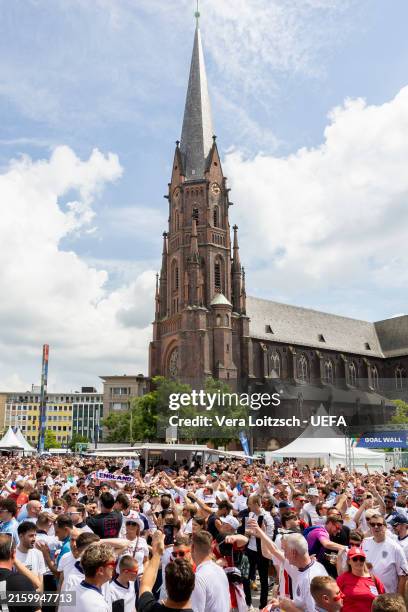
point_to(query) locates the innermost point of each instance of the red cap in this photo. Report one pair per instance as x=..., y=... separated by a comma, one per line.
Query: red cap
x=356, y=552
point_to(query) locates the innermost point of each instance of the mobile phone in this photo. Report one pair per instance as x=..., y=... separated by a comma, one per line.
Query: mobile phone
x=168, y=534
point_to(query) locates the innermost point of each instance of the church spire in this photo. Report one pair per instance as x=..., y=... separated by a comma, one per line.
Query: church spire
x=197, y=131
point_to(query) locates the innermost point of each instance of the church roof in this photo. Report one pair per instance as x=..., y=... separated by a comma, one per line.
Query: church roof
x=220, y=299
x=393, y=336
x=302, y=326
x=197, y=131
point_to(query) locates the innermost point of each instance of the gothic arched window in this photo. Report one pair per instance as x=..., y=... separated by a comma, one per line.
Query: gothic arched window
x=196, y=214
x=215, y=216
x=303, y=369
x=374, y=377
x=352, y=374
x=175, y=281
x=217, y=276
x=275, y=365
x=399, y=378
x=328, y=373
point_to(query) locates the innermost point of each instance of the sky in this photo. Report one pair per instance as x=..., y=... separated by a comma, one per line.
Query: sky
x=310, y=107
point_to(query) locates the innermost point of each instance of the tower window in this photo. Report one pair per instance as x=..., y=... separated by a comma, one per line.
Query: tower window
x=176, y=280
x=268, y=329
x=195, y=214
x=321, y=338
x=367, y=346
x=215, y=216
x=217, y=275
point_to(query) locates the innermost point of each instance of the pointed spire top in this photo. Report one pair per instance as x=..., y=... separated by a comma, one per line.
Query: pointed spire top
x=197, y=131
x=197, y=15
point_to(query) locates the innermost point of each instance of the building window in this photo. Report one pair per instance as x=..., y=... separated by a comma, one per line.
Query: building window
x=195, y=214
x=374, y=377
x=217, y=276
x=328, y=373
x=303, y=369
x=352, y=374
x=275, y=365
x=215, y=216
x=399, y=378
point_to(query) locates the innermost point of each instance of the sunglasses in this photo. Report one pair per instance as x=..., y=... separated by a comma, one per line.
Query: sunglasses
x=358, y=559
x=57, y=507
x=179, y=553
x=376, y=524
x=132, y=524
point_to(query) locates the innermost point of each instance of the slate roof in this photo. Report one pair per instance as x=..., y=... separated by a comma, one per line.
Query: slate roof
x=197, y=132
x=393, y=336
x=303, y=326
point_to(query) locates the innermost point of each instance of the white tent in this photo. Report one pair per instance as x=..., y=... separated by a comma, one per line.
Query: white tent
x=326, y=444
x=10, y=441
x=26, y=445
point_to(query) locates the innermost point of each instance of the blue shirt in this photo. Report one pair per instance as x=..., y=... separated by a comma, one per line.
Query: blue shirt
x=10, y=527
x=65, y=548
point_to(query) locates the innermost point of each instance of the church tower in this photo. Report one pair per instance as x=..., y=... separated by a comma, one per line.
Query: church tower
x=200, y=323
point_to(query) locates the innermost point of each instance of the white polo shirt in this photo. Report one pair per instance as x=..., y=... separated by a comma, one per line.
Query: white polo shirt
x=388, y=560
x=90, y=598
x=211, y=591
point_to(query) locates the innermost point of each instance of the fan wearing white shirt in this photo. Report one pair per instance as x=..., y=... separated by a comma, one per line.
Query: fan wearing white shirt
x=386, y=556
x=122, y=588
x=30, y=556
x=298, y=564
x=98, y=562
x=211, y=591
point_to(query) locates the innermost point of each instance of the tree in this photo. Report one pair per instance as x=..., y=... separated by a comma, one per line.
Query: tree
x=401, y=414
x=148, y=417
x=145, y=420
x=77, y=439
x=50, y=440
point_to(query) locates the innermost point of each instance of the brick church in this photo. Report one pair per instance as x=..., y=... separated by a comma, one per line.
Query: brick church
x=206, y=325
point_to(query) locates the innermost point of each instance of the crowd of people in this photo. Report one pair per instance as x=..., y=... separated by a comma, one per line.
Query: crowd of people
x=90, y=535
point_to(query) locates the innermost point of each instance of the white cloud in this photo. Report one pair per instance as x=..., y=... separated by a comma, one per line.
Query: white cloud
x=333, y=218
x=53, y=296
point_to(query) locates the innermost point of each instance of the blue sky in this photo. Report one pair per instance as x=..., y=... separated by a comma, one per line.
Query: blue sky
x=310, y=111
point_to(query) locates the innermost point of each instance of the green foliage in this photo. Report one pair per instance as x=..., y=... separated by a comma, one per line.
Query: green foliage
x=77, y=439
x=147, y=419
x=50, y=440
x=401, y=414
x=141, y=422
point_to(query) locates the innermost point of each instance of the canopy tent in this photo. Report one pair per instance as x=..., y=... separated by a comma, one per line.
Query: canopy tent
x=153, y=450
x=26, y=445
x=10, y=441
x=328, y=445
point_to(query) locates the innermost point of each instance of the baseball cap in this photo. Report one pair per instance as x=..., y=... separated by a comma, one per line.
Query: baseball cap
x=355, y=551
x=230, y=520
x=313, y=491
x=399, y=519
x=284, y=504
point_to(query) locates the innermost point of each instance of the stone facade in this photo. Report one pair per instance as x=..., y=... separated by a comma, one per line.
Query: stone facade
x=206, y=326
